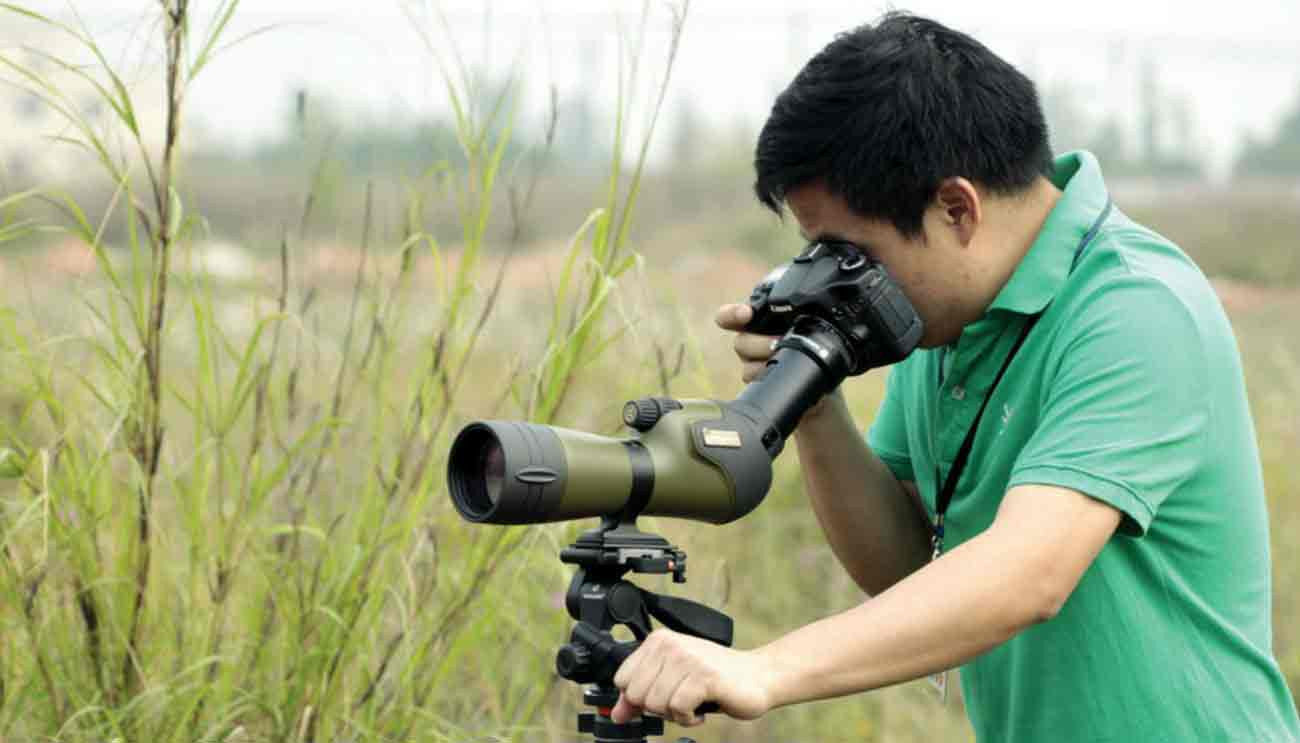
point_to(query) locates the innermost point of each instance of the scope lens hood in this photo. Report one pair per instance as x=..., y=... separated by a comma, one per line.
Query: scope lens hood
x=506, y=472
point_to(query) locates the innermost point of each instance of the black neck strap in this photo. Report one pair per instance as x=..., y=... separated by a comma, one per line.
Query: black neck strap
x=944, y=498
x=959, y=464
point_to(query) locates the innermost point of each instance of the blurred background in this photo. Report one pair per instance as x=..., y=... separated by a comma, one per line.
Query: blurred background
x=236, y=347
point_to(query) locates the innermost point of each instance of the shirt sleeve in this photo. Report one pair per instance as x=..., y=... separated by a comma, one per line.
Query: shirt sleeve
x=887, y=435
x=1126, y=412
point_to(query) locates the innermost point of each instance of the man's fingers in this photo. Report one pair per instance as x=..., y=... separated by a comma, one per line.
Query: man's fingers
x=750, y=347
x=663, y=690
x=752, y=371
x=734, y=316
x=624, y=710
x=627, y=670
x=687, y=697
x=754, y=350
x=646, y=674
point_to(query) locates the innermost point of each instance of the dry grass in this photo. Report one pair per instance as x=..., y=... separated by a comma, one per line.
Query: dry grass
x=253, y=541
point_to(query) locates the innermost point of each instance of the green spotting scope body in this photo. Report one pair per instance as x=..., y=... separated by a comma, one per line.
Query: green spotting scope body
x=838, y=314
x=694, y=459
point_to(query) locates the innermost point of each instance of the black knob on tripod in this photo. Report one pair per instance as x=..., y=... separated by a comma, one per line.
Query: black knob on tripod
x=573, y=662
x=591, y=655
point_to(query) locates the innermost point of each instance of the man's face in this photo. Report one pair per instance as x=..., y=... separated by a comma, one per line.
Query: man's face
x=930, y=268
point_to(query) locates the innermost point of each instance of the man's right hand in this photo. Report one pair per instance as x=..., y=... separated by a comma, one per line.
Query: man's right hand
x=868, y=516
x=754, y=350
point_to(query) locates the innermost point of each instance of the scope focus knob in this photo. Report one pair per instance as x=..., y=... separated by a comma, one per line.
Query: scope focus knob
x=642, y=414
x=573, y=662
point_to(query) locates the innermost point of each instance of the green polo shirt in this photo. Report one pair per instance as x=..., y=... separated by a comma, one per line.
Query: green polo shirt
x=1129, y=389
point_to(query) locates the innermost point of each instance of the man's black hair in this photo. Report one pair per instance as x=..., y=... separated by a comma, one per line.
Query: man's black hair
x=886, y=112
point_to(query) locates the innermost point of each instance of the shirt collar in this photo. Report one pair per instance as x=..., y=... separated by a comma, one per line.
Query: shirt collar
x=1043, y=270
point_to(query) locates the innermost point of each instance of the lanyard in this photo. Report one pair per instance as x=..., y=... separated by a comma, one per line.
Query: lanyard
x=950, y=483
x=954, y=474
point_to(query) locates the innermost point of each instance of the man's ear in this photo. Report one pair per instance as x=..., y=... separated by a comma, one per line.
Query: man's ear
x=960, y=209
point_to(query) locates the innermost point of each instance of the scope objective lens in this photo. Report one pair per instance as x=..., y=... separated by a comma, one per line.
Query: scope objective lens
x=493, y=468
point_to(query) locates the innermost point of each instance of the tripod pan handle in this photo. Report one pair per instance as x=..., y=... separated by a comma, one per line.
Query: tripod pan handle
x=623, y=650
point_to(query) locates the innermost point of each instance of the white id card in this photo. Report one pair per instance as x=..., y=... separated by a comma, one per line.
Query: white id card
x=940, y=683
x=938, y=680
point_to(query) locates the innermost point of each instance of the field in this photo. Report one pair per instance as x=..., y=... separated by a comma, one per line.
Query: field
x=293, y=586
x=229, y=396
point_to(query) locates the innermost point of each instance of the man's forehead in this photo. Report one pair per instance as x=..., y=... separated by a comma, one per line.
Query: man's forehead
x=823, y=214
x=816, y=209
x=823, y=236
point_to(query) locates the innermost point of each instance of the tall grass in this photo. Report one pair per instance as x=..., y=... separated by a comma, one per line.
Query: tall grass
x=226, y=531
x=222, y=510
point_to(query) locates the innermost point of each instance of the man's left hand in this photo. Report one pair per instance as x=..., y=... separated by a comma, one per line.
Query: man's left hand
x=672, y=674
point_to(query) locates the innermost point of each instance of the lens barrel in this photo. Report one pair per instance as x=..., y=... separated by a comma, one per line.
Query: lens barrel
x=810, y=361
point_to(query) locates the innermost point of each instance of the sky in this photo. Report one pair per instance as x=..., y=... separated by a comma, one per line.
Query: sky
x=1235, y=72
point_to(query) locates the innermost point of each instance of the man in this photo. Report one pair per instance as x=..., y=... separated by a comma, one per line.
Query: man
x=1103, y=566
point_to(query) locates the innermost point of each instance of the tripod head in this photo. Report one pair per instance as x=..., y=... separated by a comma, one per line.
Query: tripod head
x=600, y=599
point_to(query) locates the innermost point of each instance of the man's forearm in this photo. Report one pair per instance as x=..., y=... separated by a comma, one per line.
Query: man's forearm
x=1018, y=572
x=870, y=522
x=938, y=618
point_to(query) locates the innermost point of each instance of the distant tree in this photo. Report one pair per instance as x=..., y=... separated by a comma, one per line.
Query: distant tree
x=582, y=135
x=690, y=132
x=1067, y=121
x=1072, y=127
x=1161, y=116
x=1278, y=155
x=1150, y=111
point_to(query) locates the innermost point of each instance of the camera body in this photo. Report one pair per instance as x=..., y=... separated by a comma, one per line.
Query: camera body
x=836, y=283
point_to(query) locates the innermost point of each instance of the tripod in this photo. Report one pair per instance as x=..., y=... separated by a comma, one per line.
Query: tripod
x=599, y=599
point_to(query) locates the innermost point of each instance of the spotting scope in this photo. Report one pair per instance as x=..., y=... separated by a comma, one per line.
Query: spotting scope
x=837, y=313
